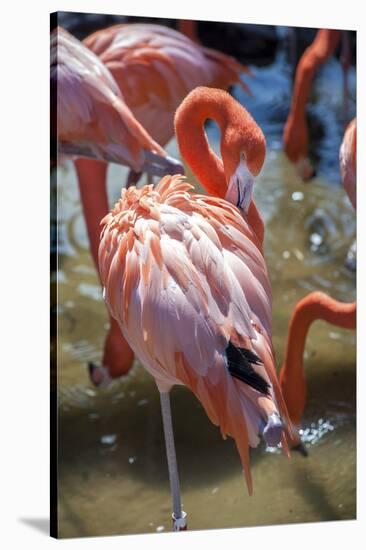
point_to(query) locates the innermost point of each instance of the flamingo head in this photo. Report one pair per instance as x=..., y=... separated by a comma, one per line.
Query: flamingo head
x=243, y=150
x=243, y=145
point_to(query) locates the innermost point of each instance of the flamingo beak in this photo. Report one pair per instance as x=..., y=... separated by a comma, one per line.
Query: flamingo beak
x=240, y=189
x=156, y=165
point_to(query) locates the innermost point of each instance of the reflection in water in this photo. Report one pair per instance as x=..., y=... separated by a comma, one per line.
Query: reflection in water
x=112, y=469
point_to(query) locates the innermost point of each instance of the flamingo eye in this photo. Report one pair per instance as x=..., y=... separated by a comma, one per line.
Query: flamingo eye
x=242, y=156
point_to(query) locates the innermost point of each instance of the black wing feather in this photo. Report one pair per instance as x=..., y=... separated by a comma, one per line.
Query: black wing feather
x=240, y=362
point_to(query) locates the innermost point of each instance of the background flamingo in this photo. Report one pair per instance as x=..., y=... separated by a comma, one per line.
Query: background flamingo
x=316, y=306
x=187, y=282
x=92, y=118
x=295, y=134
x=155, y=67
x=94, y=121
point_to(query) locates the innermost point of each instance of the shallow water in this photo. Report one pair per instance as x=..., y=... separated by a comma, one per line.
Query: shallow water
x=112, y=467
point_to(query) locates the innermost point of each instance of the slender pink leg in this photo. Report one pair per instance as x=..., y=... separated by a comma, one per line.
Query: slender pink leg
x=118, y=356
x=179, y=516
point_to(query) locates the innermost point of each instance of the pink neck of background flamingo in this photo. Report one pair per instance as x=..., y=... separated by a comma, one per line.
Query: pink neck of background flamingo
x=315, y=55
x=315, y=306
x=202, y=105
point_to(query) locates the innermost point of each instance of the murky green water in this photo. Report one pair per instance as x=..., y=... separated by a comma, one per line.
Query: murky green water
x=112, y=467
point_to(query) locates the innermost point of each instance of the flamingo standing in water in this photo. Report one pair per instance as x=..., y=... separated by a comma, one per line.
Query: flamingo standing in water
x=94, y=121
x=185, y=278
x=316, y=306
x=155, y=68
x=295, y=134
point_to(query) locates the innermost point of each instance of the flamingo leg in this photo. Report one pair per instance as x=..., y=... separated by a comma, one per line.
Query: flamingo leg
x=92, y=176
x=179, y=517
x=117, y=356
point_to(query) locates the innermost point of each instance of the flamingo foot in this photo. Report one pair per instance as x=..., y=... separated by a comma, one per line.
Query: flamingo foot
x=180, y=524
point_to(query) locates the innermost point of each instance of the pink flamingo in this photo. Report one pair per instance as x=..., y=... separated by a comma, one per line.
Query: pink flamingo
x=187, y=282
x=155, y=67
x=316, y=306
x=94, y=121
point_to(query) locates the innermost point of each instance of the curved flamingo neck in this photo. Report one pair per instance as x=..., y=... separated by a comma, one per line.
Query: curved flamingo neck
x=315, y=306
x=192, y=139
x=208, y=168
x=317, y=53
